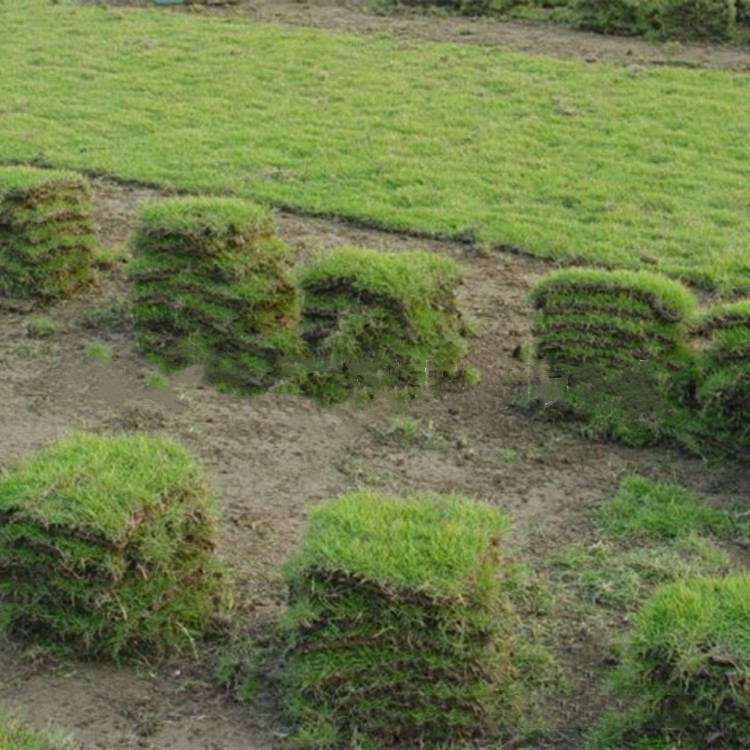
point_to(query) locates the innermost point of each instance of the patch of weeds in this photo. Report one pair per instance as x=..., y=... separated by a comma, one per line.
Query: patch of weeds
x=355, y=469
x=530, y=593
x=15, y=737
x=643, y=508
x=465, y=441
x=407, y=431
x=510, y=455
x=471, y=376
x=239, y=666
x=539, y=675
x=137, y=418
x=157, y=380
x=649, y=537
x=27, y=349
x=99, y=351
x=607, y=576
x=42, y=326
x=112, y=316
x=516, y=454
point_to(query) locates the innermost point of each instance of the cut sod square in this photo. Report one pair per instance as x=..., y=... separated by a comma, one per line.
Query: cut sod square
x=601, y=315
x=685, y=670
x=620, y=341
x=398, y=627
x=47, y=236
x=107, y=546
x=379, y=319
x=212, y=286
x=723, y=391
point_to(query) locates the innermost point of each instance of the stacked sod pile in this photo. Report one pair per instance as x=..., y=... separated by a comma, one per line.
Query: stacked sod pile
x=379, y=319
x=211, y=286
x=619, y=340
x=398, y=629
x=46, y=233
x=685, y=670
x=107, y=546
x=724, y=391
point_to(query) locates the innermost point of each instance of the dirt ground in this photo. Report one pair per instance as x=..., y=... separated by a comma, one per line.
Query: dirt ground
x=274, y=455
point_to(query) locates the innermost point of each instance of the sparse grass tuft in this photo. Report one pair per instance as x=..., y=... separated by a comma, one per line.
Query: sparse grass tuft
x=646, y=509
x=238, y=666
x=610, y=576
x=99, y=350
x=406, y=430
x=42, y=326
x=15, y=737
x=157, y=380
x=111, y=316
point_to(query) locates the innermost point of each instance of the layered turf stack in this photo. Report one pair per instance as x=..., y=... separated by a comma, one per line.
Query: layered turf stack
x=724, y=391
x=685, y=671
x=375, y=319
x=46, y=233
x=619, y=339
x=211, y=286
x=398, y=629
x=107, y=546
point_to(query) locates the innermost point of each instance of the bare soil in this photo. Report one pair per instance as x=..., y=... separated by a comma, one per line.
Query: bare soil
x=275, y=455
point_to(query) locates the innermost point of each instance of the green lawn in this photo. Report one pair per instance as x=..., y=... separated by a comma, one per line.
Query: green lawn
x=557, y=158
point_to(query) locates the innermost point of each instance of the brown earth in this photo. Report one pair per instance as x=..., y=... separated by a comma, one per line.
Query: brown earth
x=274, y=455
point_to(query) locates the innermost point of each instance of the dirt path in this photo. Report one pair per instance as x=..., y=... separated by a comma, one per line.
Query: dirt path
x=274, y=455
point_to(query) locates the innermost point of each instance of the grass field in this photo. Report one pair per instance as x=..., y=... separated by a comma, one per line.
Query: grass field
x=561, y=159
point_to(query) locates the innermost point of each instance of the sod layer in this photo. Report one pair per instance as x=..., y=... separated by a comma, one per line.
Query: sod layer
x=398, y=628
x=685, y=670
x=211, y=286
x=107, y=546
x=723, y=391
x=46, y=233
x=373, y=319
x=619, y=339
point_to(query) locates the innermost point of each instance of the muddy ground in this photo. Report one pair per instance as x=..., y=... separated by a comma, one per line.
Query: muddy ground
x=275, y=455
